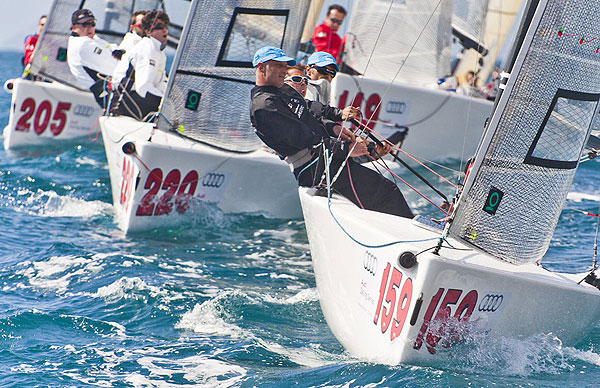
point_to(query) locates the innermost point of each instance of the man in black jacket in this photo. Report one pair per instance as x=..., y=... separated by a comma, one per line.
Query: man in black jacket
x=284, y=123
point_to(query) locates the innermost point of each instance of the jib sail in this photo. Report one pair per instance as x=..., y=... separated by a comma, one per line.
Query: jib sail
x=527, y=159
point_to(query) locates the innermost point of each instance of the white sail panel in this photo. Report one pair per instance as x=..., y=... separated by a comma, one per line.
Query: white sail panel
x=380, y=38
x=50, y=57
x=468, y=17
x=528, y=157
x=208, y=94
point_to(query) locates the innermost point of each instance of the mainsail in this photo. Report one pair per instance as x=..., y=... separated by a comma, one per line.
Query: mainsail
x=212, y=72
x=50, y=57
x=527, y=159
x=382, y=34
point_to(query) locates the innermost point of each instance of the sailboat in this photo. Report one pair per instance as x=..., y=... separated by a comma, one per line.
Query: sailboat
x=380, y=37
x=203, y=147
x=45, y=112
x=397, y=290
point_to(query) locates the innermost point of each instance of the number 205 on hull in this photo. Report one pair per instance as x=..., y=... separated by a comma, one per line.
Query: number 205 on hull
x=45, y=113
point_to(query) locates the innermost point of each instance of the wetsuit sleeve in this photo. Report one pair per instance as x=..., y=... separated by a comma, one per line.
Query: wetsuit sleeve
x=320, y=110
x=279, y=128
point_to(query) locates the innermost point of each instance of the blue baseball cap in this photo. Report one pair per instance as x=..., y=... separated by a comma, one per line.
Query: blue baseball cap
x=269, y=53
x=322, y=59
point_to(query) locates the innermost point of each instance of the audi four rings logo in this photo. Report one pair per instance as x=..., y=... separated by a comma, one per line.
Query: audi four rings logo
x=83, y=110
x=490, y=303
x=370, y=263
x=213, y=180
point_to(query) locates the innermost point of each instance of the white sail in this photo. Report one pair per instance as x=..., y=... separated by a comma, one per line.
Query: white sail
x=382, y=34
x=528, y=157
x=50, y=57
x=468, y=17
x=209, y=89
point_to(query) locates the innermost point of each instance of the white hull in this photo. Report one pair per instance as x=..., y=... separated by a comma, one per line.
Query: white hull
x=443, y=123
x=43, y=113
x=491, y=296
x=235, y=182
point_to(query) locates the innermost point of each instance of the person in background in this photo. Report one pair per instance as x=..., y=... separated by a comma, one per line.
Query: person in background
x=490, y=90
x=141, y=74
x=325, y=37
x=321, y=69
x=136, y=33
x=284, y=123
x=31, y=41
x=91, y=59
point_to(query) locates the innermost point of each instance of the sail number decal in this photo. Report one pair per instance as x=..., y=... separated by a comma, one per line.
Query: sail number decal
x=435, y=328
x=391, y=301
x=370, y=108
x=126, y=182
x=177, y=195
x=43, y=114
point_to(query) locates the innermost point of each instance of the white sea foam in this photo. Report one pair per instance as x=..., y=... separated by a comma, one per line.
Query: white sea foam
x=304, y=296
x=57, y=272
x=207, y=318
x=542, y=353
x=85, y=160
x=578, y=197
x=128, y=288
x=50, y=204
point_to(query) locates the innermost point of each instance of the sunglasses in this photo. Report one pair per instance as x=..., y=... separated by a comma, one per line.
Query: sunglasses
x=336, y=21
x=87, y=24
x=326, y=71
x=297, y=79
x=158, y=26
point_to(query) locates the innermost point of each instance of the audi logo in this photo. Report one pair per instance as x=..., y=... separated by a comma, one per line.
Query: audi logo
x=370, y=263
x=490, y=303
x=83, y=110
x=213, y=180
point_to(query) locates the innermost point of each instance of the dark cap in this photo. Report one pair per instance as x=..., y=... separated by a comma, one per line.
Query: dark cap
x=81, y=15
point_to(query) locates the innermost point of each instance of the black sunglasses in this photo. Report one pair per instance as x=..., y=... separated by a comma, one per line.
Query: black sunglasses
x=336, y=21
x=88, y=24
x=297, y=79
x=158, y=26
x=326, y=71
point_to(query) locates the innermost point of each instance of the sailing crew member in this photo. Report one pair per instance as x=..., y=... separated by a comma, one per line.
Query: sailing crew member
x=321, y=69
x=135, y=34
x=31, y=41
x=285, y=124
x=329, y=115
x=90, y=58
x=145, y=65
x=325, y=37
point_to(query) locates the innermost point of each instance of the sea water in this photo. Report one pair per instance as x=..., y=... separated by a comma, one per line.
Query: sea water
x=221, y=301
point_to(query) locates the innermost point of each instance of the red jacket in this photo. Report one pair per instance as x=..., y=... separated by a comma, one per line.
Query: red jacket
x=30, y=43
x=325, y=39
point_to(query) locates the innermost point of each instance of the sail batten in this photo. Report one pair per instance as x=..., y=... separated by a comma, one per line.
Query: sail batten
x=522, y=174
x=208, y=94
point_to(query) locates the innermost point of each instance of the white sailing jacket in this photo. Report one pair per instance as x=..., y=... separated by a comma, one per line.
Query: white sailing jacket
x=86, y=55
x=129, y=41
x=148, y=62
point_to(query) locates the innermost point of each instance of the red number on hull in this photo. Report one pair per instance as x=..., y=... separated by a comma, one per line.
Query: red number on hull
x=401, y=306
x=153, y=182
x=28, y=107
x=42, y=116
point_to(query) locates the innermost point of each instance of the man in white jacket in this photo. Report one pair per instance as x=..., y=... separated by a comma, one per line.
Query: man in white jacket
x=141, y=73
x=91, y=59
x=135, y=33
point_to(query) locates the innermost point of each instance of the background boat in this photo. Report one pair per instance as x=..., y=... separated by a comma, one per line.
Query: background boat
x=59, y=111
